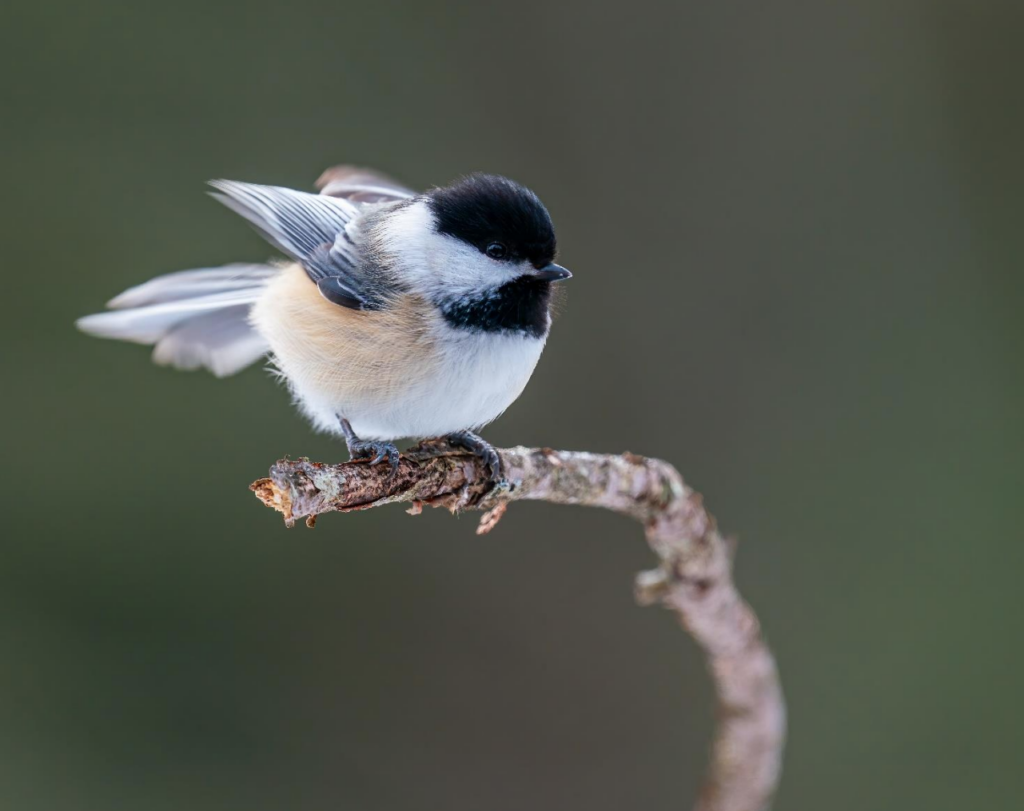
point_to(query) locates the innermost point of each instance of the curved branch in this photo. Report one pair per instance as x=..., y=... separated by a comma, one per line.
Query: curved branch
x=693, y=578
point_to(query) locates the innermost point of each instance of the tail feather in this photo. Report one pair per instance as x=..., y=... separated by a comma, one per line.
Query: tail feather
x=196, y=318
x=148, y=324
x=192, y=283
x=221, y=341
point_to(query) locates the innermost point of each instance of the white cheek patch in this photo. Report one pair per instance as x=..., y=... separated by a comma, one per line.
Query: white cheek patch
x=441, y=266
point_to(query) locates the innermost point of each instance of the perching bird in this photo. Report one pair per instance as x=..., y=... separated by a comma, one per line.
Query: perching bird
x=401, y=314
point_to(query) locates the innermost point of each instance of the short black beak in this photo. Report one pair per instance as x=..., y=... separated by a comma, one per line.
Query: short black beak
x=552, y=273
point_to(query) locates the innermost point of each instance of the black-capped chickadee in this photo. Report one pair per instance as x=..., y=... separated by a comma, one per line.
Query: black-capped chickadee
x=402, y=314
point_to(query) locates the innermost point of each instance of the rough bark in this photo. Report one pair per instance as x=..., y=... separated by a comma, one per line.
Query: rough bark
x=693, y=578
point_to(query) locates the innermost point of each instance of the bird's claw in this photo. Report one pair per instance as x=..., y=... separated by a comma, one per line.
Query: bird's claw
x=372, y=450
x=482, y=450
x=375, y=452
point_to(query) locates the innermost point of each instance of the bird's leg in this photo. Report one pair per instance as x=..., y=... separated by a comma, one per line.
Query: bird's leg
x=375, y=451
x=482, y=449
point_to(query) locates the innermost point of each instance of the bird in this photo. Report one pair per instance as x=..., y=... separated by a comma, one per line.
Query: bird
x=392, y=315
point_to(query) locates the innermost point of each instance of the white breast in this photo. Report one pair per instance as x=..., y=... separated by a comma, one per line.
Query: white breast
x=477, y=376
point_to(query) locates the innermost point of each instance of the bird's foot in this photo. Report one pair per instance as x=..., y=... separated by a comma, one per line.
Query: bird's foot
x=373, y=450
x=482, y=450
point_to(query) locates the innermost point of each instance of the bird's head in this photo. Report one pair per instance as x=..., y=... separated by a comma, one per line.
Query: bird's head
x=474, y=238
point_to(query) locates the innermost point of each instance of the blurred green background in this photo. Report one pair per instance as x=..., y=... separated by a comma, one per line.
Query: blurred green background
x=796, y=234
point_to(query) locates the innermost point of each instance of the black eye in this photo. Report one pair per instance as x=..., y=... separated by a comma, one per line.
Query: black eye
x=496, y=250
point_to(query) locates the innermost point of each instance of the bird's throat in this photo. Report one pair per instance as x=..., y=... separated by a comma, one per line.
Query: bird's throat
x=520, y=306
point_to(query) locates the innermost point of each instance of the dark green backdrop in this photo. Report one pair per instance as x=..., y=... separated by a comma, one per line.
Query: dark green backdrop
x=796, y=234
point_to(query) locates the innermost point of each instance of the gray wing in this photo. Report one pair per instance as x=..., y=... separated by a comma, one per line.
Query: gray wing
x=361, y=185
x=315, y=231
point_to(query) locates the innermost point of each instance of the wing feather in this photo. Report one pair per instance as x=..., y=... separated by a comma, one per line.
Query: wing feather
x=361, y=185
x=313, y=230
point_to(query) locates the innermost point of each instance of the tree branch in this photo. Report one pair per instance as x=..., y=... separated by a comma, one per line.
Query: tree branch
x=693, y=578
